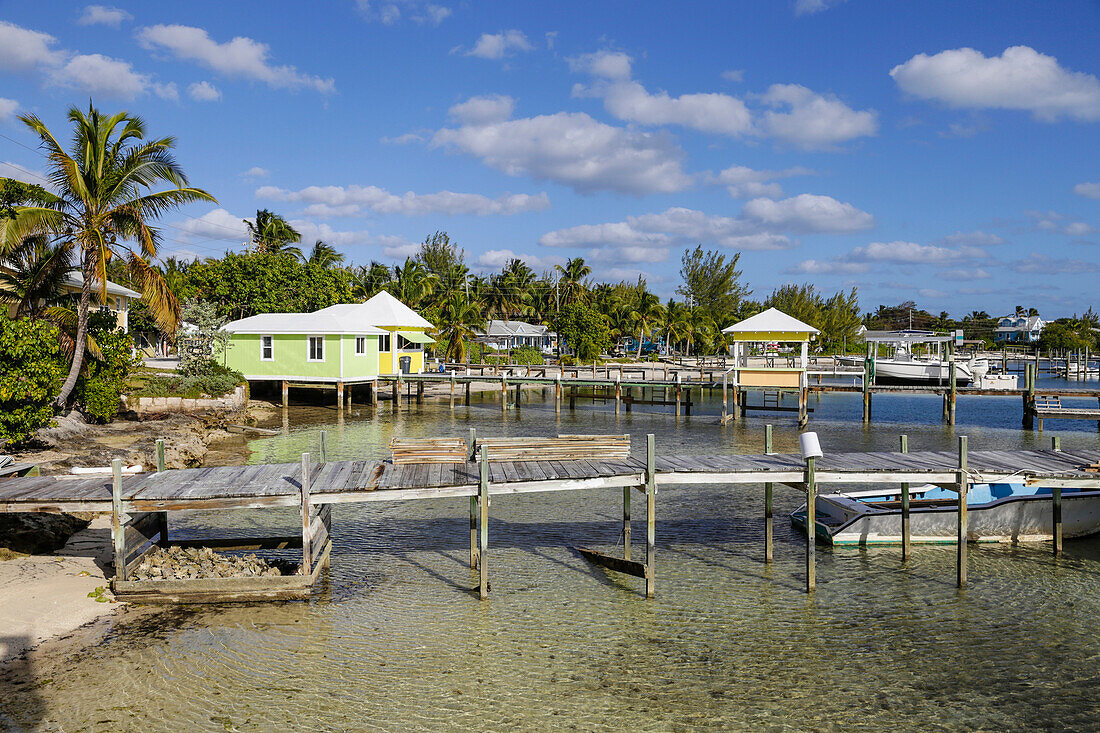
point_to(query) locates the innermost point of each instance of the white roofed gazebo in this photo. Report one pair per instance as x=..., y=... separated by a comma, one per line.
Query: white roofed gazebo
x=772, y=327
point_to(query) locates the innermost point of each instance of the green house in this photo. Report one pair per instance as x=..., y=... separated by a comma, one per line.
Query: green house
x=340, y=345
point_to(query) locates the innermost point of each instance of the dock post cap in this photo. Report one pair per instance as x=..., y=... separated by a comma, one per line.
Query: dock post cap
x=811, y=447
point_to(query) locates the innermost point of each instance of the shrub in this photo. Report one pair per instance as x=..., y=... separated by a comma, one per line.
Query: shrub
x=31, y=372
x=527, y=355
x=217, y=382
x=105, y=378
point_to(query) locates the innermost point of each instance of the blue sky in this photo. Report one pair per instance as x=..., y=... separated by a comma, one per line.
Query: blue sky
x=943, y=152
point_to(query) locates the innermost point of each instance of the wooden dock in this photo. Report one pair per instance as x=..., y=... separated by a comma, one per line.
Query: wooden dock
x=140, y=504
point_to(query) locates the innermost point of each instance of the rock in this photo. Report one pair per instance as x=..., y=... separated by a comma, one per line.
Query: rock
x=201, y=562
x=34, y=533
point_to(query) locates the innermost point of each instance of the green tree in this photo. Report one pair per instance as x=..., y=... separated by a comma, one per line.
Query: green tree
x=105, y=196
x=646, y=315
x=438, y=254
x=713, y=280
x=324, y=256
x=586, y=330
x=572, y=287
x=31, y=370
x=247, y=283
x=457, y=323
x=107, y=375
x=35, y=270
x=273, y=234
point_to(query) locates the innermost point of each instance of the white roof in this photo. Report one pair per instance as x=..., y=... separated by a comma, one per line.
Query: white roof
x=381, y=310
x=308, y=323
x=772, y=320
x=76, y=279
x=514, y=328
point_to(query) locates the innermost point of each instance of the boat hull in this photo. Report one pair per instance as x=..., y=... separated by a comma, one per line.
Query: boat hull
x=1014, y=519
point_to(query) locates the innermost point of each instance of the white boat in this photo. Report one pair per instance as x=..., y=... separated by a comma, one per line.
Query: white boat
x=905, y=367
x=1007, y=511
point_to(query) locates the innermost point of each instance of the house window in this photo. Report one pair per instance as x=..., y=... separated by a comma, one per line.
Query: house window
x=404, y=344
x=267, y=348
x=384, y=343
x=360, y=345
x=316, y=348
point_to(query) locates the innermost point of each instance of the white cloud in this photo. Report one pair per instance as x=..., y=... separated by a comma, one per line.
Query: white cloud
x=99, y=74
x=241, y=57
x=574, y=150
x=808, y=214
x=204, y=91
x=22, y=173
x=256, y=172
x=811, y=120
x=828, y=267
x=389, y=13
x=1088, y=190
x=965, y=274
x=1021, y=78
x=647, y=238
x=495, y=46
x=495, y=259
x=22, y=49
x=613, y=65
x=628, y=100
x=976, y=238
x=350, y=200
x=7, y=108
x=311, y=231
x=912, y=253
x=742, y=182
x=217, y=224
x=103, y=15
x=734, y=75
x=483, y=110
x=398, y=247
x=1039, y=264
x=714, y=113
x=1078, y=229
x=810, y=7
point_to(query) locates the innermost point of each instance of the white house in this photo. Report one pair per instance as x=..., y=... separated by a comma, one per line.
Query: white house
x=513, y=334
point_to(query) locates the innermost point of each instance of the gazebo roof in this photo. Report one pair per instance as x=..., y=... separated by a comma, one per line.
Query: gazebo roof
x=772, y=324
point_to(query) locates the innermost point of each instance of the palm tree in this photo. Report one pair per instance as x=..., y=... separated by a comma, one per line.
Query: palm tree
x=104, y=196
x=646, y=314
x=571, y=283
x=325, y=256
x=412, y=284
x=458, y=319
x=36, y=269
x=272, y=233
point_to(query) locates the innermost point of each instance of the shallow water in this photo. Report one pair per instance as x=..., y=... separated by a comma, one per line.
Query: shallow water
x=396, y=639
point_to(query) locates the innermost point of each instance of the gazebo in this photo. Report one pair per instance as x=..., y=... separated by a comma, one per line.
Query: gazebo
x=773, y=326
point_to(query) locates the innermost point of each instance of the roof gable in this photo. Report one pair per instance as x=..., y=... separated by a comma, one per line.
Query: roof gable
x=381, y=310
x=772, y=320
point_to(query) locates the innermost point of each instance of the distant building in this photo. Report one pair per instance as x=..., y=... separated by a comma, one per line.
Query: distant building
x=117, y=302
x=505, y=335
x=1018, y=329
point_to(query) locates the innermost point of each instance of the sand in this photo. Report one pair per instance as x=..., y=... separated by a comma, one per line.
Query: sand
x=46, y=596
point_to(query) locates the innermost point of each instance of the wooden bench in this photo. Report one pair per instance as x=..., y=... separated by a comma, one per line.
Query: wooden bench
x=561, y=448
x=429, y=450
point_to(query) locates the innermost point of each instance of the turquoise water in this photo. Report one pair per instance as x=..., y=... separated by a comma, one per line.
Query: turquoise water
x=395, y=638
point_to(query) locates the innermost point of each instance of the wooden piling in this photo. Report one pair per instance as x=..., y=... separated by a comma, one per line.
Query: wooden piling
x=286, y=393
x=650, y=514
x=452, y=392
x=572, y=397
x=162, y=517
x=963, y=486
x=503, y=393
x=307, y=559
x=557, y=394
x=811, y=526
x=905, y=532
x=396, y=393
x=868, y=370
x=618, y=393
x=483, y=534
x=340, y=395
x=118, y=520
x=1056, y=508
x=626, y=522
x=953, y=388
x=467, y=394
x=768, y=499
x=679, y=395
x=420, y=392
x=322, y=448
x=519, y=393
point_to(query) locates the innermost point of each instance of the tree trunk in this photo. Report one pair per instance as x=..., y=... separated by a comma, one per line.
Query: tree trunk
x=82, y=310
x=640, y=334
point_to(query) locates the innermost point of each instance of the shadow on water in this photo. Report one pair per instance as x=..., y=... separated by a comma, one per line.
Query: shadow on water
x=20, y=687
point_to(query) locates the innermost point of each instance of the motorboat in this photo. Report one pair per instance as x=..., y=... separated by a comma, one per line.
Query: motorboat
x=904, y=366
x=1006, y=511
